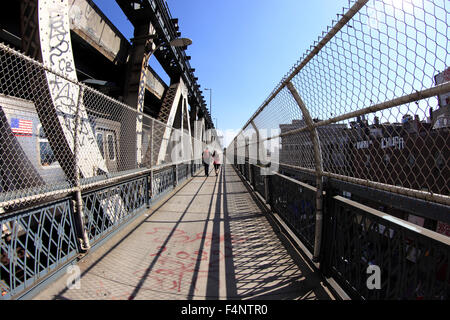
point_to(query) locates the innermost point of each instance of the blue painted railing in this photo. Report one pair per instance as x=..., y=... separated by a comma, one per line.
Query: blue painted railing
x=36, y=242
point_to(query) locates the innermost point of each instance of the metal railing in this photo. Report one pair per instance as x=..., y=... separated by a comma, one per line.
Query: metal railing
x=34, y=243
x=69, y=174
x=363, y=114
x=413, y=261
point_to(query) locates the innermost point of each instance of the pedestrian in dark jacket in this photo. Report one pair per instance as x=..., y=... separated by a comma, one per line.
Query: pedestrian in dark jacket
x=206, y=159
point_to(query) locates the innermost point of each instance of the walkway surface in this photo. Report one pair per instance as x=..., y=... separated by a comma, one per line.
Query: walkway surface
x=207, y=240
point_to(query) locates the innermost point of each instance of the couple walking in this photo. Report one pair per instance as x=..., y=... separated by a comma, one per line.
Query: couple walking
x=206, y=157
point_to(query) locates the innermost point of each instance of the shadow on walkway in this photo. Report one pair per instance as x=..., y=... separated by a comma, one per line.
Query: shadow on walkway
x=208, y=240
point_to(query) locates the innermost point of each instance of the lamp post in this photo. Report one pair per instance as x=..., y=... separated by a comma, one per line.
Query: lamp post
x=177, y=42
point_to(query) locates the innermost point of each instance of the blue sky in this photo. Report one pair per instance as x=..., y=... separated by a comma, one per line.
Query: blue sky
x=241, y=48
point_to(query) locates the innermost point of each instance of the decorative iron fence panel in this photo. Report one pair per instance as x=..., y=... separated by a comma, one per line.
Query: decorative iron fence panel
x=35, y=243
x=163, y=181
x=182, y=172
x=108, y=208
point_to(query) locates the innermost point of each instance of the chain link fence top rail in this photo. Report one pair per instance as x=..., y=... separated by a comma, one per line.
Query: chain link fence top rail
x=42, y=114
x=376, y=87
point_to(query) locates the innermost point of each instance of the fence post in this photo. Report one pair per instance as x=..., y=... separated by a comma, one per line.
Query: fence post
x=147, y=190
x=270, y=199
x=327, y=236
x=254, y=168
x=319, y=170
x=79, y=215
x=266, y=188
x=175, y=175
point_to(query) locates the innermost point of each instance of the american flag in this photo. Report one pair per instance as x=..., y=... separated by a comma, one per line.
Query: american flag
x=21, y=126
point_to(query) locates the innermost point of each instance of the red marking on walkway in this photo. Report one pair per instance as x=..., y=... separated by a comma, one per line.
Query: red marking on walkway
x=170, y=270
x=180, y=236
x=160, y=250
x=163, y=232
x=183, y=255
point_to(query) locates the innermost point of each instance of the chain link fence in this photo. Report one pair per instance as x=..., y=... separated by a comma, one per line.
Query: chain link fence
x=59, y=135
x=368, y=103
x=351, y=150
x=75, y=166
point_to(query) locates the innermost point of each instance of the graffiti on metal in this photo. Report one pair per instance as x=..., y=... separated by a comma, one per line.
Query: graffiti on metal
x=57, y=54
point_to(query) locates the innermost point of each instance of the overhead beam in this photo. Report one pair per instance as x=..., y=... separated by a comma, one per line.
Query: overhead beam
x=173, y=60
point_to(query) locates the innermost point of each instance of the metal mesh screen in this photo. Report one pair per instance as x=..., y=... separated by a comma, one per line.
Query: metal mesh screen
x=375, y=92
x=58, y=134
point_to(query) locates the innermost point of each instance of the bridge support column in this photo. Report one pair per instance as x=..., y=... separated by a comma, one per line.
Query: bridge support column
x=134, y=95
x=318, y=166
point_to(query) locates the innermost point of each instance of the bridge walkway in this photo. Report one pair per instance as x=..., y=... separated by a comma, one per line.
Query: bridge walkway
x=208, y=239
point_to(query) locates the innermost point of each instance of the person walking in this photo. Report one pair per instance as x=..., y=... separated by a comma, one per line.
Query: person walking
x=216, y=163
x=206, y=159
